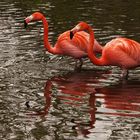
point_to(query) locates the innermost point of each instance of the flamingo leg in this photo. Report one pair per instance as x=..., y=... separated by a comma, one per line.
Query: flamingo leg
x=78, y=66
x=124, y=74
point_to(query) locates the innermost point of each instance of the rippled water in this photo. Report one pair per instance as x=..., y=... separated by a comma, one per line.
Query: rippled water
x=42, y=98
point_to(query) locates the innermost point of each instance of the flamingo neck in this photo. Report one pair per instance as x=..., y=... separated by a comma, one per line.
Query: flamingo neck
x=46, y=42
x=91, y=55
x=97, y=47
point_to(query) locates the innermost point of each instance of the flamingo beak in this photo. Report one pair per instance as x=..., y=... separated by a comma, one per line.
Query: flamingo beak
x=25, y=24
x=71, y=34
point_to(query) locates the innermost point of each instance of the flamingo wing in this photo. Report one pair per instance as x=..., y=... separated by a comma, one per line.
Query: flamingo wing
x=77, y=47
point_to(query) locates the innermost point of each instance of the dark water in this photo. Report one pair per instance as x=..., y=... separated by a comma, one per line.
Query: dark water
x=63, y=104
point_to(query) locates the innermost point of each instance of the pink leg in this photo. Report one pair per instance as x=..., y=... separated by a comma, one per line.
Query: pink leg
x=124, y=73
x=78, y=66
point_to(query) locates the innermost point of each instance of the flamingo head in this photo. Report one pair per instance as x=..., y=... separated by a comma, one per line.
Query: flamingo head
x=79, y=27
x=34, y=17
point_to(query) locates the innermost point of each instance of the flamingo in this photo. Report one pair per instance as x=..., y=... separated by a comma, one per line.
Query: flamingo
x=76, y=48
x=121, y=52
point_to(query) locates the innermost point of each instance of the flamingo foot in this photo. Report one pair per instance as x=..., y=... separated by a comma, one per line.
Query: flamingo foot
x=124, y=74
x=78, y=66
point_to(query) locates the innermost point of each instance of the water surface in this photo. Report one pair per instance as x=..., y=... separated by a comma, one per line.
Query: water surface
x=60, y=103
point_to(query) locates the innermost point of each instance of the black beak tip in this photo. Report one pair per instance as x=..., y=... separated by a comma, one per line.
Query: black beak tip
x=71, y=34
x=25, y=24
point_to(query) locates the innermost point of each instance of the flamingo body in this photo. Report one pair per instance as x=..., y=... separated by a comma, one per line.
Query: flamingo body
x=121, y=52
x=76, y=48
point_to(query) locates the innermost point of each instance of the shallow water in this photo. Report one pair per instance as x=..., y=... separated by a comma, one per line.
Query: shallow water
x=41, y=97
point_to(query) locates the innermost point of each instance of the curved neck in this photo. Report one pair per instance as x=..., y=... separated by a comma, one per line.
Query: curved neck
x=97, y=47
x=91, y=55
x=46, y=42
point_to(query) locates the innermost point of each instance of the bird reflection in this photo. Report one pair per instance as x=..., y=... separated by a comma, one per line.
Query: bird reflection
x=77, y=92
x=123, y=98
x=77, y=97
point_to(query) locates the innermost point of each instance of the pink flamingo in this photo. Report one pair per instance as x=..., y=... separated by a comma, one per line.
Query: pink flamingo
x=76, y=48
x=121, y=52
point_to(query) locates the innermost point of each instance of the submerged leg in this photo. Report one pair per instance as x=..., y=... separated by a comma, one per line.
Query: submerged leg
x=78, y=66
x=124, y=74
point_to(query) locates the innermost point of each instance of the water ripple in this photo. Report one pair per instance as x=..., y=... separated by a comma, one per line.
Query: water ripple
x=41, y=97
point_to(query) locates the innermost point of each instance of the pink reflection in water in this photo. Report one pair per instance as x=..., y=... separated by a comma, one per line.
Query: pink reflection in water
x=123, y=98
x=78, y=90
